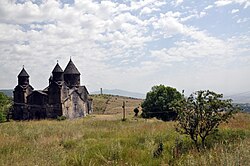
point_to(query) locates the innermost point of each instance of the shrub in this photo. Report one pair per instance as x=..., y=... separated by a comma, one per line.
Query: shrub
x=60, y=118
x=201, y=113
x=158, y=103
x=2, y=117
x=5, y=105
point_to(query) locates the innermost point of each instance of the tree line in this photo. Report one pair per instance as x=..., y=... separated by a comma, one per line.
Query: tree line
x=5, y=105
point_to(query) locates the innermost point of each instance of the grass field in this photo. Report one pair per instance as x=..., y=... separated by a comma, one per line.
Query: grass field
x=103, y=139
x=109, y=104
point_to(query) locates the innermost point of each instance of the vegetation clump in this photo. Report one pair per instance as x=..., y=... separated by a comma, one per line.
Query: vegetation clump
x=101, y=103
x=158, y=152
x=5, y=105
x=60, y=118
x=158, y=103
x=201, y=113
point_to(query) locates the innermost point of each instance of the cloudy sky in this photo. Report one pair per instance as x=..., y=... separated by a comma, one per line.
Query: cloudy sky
x=129, y=45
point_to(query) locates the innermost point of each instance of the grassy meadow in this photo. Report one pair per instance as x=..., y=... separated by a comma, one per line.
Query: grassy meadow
x=104, y=139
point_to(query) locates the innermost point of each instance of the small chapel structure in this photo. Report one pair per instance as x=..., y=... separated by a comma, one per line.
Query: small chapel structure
x=63, y=97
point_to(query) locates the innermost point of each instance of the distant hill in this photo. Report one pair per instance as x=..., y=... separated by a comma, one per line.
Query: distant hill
x=121, y=93
x=240, y=97
x=8, y=92
x=245, y=107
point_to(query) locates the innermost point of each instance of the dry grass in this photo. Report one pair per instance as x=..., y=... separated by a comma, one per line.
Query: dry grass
x=103, y=139
x=110, y=105
x=239, y=121
x=82, y=141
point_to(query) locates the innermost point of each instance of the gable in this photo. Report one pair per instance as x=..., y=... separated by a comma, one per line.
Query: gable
x=37, y=98
x=74, y=96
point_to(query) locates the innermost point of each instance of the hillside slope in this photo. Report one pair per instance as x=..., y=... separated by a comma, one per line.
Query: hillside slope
x=112, y=105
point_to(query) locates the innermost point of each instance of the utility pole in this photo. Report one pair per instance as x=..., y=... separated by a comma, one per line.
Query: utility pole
x=124, y=111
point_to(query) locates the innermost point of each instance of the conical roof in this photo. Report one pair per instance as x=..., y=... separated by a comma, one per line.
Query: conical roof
x=57, y=69
x=23, y=73
x=71, y=68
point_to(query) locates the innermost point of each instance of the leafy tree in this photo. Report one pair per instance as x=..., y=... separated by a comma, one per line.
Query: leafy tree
x=200, y=114
x=5, y=104
x=158, y=103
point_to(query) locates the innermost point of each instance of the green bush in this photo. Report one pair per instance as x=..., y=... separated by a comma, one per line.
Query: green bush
x=201, y=113
x=5, y=105
x=2, y=117
x=68, y=144
x=158, y=103
x=60, y=118
x=226, y=136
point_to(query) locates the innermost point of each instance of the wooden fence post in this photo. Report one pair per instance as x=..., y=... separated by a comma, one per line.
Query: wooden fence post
x=124, y=111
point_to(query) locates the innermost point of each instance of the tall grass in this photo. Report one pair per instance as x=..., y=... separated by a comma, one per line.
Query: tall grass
x=89, y=141
x=229, y=154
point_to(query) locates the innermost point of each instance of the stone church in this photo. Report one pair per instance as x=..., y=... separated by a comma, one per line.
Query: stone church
x=63, y=97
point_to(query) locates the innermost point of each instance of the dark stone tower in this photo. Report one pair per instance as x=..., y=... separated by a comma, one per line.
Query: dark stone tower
x=21, y=91
x=71, y=75
x=57, y=73
x=23, y=78
x=55, y=92
x=55, y=86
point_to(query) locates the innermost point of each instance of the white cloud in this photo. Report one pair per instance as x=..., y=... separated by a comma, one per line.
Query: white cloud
x=202, y=14
x=193, y=14
x=243, y=20
x=143, y=3
x=147, y=10
x=201, y=45
x=177, y=2
x=222, y=2
x=110, y=42
x=99, y=33
x=247, y=4
x=9, y=33
x=235, y=11
x=167, y=55
x=208, y=60
x=168, y=24
x=219, y=3
x=208, y=7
